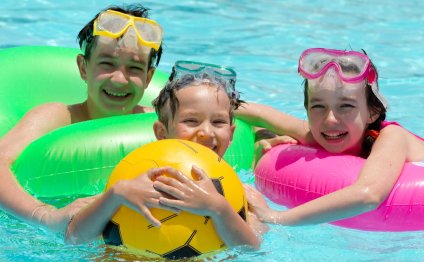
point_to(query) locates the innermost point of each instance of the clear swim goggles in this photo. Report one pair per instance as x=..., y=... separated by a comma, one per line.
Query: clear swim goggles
x=351, y=66
x=114, y=24
x=225, y=76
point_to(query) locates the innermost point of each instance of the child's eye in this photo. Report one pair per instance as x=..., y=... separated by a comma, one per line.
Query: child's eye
x=317, y=106
x=106, y=63
x=347, y=106
x=220, y=122
x=189, y=121
x=137, y=68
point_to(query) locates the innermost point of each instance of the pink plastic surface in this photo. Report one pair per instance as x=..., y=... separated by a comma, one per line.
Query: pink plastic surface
x=291, y=175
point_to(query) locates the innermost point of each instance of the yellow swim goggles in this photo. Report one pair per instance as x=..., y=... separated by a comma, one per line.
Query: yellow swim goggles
x=114, y=24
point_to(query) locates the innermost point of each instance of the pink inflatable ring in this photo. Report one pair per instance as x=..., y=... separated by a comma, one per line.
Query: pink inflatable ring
x=291, y=175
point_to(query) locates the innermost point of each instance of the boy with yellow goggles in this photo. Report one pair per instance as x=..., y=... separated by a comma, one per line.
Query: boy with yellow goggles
x=106, y=96
x=114, y=24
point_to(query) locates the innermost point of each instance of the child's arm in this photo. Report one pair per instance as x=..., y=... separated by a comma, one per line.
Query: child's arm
x=13, y=198
x=200, y=197
x=376, y=179
x=137, y=194
x=275, y=121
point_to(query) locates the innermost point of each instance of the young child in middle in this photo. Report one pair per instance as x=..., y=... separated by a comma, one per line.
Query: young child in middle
x=197, y=104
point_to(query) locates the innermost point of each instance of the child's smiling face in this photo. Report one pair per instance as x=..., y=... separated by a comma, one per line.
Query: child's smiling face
x=202, y=116
x=338, y=113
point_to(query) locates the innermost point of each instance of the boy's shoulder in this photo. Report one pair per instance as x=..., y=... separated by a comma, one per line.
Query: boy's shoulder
x=35, y=123
x=49, y=116
x=143, y=109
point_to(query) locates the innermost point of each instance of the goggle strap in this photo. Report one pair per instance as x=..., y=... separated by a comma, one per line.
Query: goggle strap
x=377, y=93
x=372, y=76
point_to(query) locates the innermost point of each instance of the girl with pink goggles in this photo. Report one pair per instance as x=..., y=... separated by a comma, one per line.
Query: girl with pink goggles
x=351, y=66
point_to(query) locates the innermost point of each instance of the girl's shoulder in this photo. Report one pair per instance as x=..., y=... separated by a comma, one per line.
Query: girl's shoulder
x=396, y=127
x=413, y=143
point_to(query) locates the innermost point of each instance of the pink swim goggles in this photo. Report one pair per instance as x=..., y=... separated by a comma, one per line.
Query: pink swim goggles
x=351, y=66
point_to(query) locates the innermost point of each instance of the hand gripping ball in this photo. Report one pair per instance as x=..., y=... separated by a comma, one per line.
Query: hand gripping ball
x=181, y=235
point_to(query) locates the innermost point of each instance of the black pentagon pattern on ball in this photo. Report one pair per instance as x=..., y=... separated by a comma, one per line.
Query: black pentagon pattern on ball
x=218, y=186
x=112, y=234
x=184, y=251
x=242, y=213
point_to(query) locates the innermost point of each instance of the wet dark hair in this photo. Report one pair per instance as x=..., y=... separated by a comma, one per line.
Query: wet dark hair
x=87, y=41
x=168, y=97
x=374, y=105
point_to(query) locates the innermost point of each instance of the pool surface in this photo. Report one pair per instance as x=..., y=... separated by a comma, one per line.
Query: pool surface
x=262, y=40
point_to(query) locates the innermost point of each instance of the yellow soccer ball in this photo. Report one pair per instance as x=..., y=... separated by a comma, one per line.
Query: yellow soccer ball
x=181, y=235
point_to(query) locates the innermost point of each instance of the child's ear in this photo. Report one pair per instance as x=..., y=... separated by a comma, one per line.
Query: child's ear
x=82, y=66
x=373, y=116
x=160, y=130
x=233, y=128
x=150, y=74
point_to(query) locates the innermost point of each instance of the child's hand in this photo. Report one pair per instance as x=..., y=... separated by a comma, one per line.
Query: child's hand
x=140, y=195
x=280, y=140
x=257, y=225
x=257, y=204
x=197, y=196
x=265, y=145
x=265, y=140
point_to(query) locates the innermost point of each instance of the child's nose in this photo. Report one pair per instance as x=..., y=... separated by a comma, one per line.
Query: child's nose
x=205, y=131
x=331, y=117
x=119, y=77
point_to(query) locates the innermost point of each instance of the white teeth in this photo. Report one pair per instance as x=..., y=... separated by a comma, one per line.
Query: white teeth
x=334, y=136
x=116, y=94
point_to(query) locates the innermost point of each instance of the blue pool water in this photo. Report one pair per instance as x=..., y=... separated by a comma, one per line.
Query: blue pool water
x=262, y=40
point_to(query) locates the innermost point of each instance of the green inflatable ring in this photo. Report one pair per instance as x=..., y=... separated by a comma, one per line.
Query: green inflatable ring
x=78, y=159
